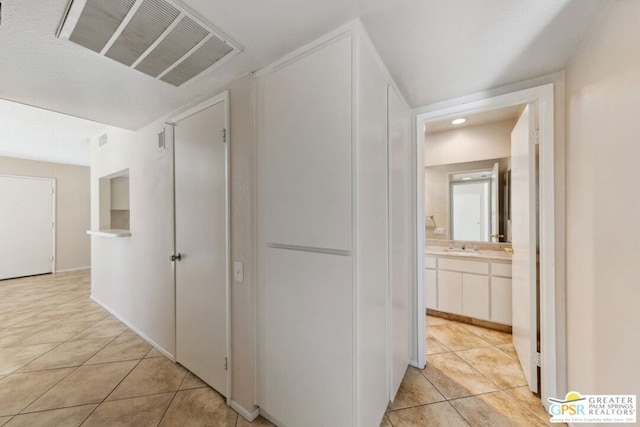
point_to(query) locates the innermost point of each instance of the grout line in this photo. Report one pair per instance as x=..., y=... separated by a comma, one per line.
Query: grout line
x=169, y=406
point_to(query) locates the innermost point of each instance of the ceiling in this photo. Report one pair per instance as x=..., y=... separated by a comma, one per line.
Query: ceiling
x=435, y=50
x=483, y=118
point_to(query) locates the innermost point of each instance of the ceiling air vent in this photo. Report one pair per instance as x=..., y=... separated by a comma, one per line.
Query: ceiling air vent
x=157, y=37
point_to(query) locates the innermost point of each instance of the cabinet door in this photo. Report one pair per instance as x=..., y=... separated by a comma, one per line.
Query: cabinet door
x=501, y=300
x=431, y=286
x=450, y=291
x=475, y=296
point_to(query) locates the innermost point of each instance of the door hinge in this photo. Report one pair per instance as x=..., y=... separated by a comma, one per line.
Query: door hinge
x=53, y=225
x=536, y=136
x=538, y=359
x=225, y=364
x=53, y=191
x=224, y=135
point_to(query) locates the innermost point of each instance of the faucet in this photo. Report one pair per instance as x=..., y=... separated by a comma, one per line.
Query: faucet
x=463, y=247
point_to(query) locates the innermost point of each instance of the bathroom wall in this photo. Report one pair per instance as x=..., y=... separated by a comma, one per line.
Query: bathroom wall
x=73, y=248
x=603, y=206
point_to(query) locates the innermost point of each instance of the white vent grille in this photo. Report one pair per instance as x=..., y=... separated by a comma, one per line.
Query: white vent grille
x=156, y=37
x=102, y=141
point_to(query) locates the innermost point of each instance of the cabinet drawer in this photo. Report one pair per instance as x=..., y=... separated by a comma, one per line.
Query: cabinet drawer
x=430, y=261
x=501, y=269
x=475, y=267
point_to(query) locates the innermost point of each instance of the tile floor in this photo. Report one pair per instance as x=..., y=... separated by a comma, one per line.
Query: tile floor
x=64, y=361
x=472, y=378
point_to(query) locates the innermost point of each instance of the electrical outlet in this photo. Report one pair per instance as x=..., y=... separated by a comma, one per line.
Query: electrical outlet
x=238, y=271
x=439, y=230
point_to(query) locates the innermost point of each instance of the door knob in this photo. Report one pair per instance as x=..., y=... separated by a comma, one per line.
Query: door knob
x=176, y=257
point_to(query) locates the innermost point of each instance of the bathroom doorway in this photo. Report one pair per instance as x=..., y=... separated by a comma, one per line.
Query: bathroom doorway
x=480, y=288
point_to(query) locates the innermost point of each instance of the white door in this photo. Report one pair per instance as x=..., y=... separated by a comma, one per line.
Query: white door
x=495, y=209
x=26, y=226
x=524, y=243
x=202, y=242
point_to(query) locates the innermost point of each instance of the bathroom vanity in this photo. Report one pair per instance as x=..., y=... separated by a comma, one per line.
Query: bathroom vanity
x=471, y=283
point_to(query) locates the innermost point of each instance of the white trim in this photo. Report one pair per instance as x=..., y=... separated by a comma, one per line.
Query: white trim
x=247, y=415
x=549, y=310
x=141, y=334
x=110, y=233
x=68, y=270
x=267, y=416
x=222, y=97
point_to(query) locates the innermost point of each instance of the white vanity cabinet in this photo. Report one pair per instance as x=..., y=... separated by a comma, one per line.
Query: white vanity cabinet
x=478, y=288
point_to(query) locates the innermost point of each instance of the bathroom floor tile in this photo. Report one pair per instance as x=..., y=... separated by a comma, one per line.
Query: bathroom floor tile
x=124, y=347
x=455, y=378
x=489, y=335
x=138, y=411
x=415, y=390
x=192, y=381
x=70, y=353
x=55, y=417
x=57, y=333
x=150, y=376
x=153, y=353
x=509, y=349
x=434, y=346
x=258, y=422
x=436, y=321
x=495, y=365
x=436, y=414
x=14, y=358
x=200, y=406
x=527, y=399
x=456, y=337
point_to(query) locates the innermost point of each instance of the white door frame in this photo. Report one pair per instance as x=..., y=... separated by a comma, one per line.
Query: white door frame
x=550, y=335
x=222, y=97
x=53, y=212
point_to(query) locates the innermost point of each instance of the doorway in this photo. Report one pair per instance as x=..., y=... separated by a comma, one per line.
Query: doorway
x=542, y=98
x=27, y=226
x=201, y=257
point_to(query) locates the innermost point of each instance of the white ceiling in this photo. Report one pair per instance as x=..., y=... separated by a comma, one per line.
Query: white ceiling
x=483, y=118
x=434, y=49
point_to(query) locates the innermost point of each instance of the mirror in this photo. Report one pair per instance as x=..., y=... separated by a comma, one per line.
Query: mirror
x=467, y=177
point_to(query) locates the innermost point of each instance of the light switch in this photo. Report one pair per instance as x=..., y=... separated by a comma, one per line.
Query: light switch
x=439, y=230
x=238, y=271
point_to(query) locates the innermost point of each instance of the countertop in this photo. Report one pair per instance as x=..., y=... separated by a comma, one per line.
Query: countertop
x=468, y=253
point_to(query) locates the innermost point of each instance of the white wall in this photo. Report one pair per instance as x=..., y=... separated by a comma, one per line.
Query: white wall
x=469, y=143
x=72, y=207
x=133, y=276
x=603, y=206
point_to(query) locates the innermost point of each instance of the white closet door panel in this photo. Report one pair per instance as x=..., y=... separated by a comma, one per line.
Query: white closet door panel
x=26, y=226
x=400, y=203
x=304, y=123
x=305, y=338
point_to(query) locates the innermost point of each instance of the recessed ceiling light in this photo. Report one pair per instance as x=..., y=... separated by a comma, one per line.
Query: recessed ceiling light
x=459, y=121
x=466, y=178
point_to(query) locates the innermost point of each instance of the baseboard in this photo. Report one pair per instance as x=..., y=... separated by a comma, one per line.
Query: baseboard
x=414, y=363
x=134, y=329
x=249, y=416
x=271, y=419
x=67, y=270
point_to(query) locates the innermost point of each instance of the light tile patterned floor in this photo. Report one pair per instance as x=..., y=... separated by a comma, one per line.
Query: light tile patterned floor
x=472, y=378
x=66, y=361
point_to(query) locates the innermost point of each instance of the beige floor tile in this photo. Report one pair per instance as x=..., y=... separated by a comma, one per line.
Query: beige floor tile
x=454, y=378
x=258, y=422
x=489, y=335
x=415, y=390
x=14, y=336
x=17, y=391
x=495, y=365
x=125, y=347
x=153, y=353
x=456, y=337
x=100, y=331
x=4, y=420
x=200, y=406
x=47, y=317
x=509, y=349
x=151, y=376
x=384, y=423
x=434, y=346
x=527, y=399
x=437, y=321
x=14, y=358
x=56, y=417
x=192, y=381
x=494, y=409
x=87, y=384
x=71, y=353
x=138, y=411
x=436, y=414
x=57, y=333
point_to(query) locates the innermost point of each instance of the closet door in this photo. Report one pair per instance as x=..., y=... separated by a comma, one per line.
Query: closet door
x=26, y=226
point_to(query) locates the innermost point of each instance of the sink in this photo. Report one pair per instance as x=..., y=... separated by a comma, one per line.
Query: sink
x=459, y=251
